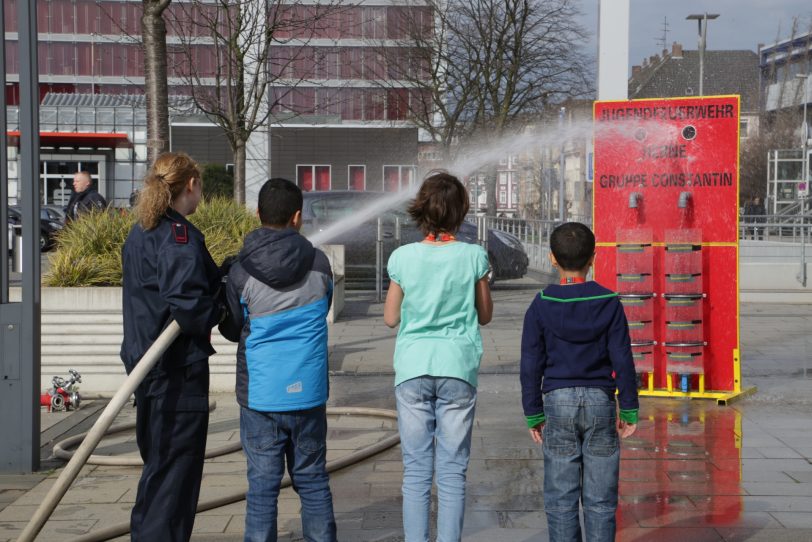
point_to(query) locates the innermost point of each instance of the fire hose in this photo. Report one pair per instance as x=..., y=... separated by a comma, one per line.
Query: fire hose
x=102, y=427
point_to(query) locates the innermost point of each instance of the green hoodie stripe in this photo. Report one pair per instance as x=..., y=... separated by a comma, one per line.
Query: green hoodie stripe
x=572, y=299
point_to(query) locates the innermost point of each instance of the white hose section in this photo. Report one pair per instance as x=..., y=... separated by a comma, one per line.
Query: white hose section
x=357, y=456
x=102, y=427
x=68, y=475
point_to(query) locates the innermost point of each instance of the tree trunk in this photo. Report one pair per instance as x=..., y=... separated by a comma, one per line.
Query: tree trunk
x=153, y=33
x=239, y=171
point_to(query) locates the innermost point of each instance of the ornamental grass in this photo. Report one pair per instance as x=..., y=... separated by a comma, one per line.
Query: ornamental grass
x=88, y=251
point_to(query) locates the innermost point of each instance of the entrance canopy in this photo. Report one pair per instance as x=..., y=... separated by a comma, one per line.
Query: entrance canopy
x=76, y=139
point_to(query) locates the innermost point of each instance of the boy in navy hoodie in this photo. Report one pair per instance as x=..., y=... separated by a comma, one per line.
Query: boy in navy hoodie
x=575, y=353
x=278, y=293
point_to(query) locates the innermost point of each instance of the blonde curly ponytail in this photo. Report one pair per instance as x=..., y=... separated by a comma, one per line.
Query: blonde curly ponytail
x=163, y=183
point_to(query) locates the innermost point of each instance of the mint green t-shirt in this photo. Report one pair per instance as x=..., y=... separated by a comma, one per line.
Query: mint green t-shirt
x=439, y=329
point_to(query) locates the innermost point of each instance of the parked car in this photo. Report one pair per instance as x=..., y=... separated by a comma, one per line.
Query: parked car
x=321, y=209
x=54, y=213
x=48, y=227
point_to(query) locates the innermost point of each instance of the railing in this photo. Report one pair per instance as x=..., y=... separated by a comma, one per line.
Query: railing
x=770, y=238
x=534, y=235
x=778, y=228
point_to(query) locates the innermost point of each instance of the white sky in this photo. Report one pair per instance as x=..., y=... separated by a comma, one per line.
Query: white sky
x=742, y=24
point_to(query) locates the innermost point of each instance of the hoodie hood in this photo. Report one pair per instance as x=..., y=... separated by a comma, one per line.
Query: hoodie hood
x=578, y=313
x=278, y=258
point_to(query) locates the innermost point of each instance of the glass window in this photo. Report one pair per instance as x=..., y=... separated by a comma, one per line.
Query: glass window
x=357, y=177
x=105, y=118
x=312, y=177
x=743, y=126
x=124, y=117
x=502, y=197
x=398, y=177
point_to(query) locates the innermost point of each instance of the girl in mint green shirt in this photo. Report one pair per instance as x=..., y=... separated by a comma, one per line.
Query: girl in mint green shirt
x=439, y=295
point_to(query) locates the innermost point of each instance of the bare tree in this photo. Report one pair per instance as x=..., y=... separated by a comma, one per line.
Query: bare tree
x=479, y=69
x=237, y=58
x=153, y=32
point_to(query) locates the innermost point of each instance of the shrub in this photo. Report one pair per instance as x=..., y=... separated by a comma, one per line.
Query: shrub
x=217, y=181
x=88, y=251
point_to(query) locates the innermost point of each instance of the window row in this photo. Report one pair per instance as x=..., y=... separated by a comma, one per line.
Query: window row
x=352, y=22
x=109, y=59
x=335, y=21
x=398, y=63
x=310, y=177
x=127, y=60
x=348, y=103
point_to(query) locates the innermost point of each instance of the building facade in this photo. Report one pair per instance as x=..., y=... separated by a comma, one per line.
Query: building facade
x=333, y=101
x=786, y=90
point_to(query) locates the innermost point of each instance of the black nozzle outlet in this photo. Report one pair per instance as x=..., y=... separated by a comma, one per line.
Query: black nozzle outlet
x=689, y=133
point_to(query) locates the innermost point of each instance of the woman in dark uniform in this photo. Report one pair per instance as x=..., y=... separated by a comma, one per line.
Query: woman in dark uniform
x=169, y=275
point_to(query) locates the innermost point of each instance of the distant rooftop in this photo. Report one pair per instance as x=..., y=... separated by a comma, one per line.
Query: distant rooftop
x=676, y=73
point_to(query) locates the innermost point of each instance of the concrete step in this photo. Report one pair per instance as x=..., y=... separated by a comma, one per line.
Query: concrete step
x=80, y=317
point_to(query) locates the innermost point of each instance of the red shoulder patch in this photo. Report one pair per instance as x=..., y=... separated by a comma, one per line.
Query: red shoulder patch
x=180, y=233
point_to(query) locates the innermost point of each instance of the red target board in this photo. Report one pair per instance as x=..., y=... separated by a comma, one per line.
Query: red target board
x=666, y=197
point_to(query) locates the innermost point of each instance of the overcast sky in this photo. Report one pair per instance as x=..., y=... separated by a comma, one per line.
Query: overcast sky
x=742, y=24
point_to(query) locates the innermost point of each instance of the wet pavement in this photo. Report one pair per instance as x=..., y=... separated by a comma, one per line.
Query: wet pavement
x=694, y=471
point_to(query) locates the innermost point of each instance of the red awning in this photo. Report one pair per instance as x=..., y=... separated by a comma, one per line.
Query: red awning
x=76, y=139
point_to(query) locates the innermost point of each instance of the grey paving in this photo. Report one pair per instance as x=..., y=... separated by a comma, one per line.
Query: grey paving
x=695, y=471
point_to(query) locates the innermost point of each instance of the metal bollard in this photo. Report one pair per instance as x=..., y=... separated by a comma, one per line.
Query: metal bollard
x=17, y=249
x=397, y=232
x=379, y=261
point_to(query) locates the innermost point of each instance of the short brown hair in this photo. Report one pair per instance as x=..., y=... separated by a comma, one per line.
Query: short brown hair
x=572, y=244
x=440, y=205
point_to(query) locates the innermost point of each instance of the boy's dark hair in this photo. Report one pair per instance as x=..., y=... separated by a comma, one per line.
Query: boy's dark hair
x=440, y=205
x=572, y=244
x=278, y=201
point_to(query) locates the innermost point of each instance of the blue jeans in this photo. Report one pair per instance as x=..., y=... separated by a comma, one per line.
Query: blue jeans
x=581, y=463
x=435, y=418
x=269, y=439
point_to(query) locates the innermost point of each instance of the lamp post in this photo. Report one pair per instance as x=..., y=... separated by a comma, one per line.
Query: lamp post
x=805, y=176
x=703, y=35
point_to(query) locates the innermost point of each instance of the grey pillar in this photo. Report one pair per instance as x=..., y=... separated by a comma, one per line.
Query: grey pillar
x=20, y=322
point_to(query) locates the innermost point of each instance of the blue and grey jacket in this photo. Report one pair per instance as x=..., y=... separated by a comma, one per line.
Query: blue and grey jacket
x=278, y=294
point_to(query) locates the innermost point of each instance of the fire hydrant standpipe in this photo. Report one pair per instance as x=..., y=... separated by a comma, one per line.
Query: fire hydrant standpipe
x=82, y=455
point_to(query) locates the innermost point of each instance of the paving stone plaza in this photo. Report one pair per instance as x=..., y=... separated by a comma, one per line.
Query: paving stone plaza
x=694, y=471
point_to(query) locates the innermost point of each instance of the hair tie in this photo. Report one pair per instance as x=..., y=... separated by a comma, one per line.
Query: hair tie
x=161, y=179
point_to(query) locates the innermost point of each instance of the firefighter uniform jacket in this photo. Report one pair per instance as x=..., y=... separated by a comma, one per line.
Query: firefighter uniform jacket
x=168, y=275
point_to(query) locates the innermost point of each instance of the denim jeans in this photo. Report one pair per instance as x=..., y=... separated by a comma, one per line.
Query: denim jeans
x=270, y=439
x=581, y=463
x=435, y=418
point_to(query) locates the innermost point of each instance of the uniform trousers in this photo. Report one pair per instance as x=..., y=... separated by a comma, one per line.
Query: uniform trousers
x=172, y=419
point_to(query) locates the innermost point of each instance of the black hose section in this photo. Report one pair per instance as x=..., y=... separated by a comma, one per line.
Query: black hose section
x=357, y=456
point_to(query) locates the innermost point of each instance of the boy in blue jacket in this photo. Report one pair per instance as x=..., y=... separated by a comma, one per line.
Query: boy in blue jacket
x=278, y=293
x=575, y=352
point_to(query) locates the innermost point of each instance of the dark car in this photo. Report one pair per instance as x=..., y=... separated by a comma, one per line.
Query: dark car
x=324, y=209
x=49, y=226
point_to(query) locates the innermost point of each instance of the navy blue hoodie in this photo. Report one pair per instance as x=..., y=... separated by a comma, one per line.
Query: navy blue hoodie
x=576, y=335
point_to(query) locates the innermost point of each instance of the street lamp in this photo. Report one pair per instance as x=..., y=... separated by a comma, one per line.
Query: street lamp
x=703, y=35
x=805, y=174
